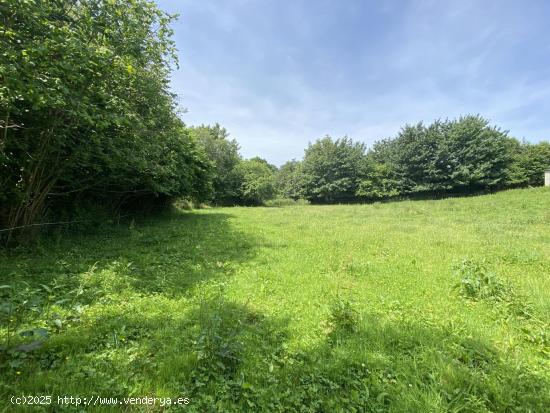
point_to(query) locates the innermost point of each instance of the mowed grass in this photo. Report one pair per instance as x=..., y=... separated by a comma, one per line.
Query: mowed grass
x=345, y=308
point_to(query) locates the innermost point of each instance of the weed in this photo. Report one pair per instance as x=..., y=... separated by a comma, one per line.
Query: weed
x=217, y=350
x=343, y=317
x=477, y=283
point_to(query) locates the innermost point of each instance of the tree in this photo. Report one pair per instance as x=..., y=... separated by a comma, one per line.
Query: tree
x=473, y=154
x=257, y=179
x=223, y=152
x=463, y=154
x=86, y=112
x=529, y=163
x=290, y=180
x=331, y=169
x=378, y=180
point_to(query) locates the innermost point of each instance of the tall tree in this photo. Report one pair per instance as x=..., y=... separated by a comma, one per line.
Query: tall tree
x=462, y=154
x=474, y=154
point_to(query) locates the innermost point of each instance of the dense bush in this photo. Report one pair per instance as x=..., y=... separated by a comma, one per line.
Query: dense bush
x=238, y=181
x=447, y=155
x=477, y=283
x=378, y=180
x=86, y=111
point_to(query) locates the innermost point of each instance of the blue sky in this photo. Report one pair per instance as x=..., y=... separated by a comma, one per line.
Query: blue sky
x=280, y=74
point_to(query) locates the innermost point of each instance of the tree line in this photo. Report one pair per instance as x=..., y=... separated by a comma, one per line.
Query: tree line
x=463, y=155
x=87, y=121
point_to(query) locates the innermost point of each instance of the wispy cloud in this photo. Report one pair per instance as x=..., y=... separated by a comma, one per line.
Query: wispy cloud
x=280, y=74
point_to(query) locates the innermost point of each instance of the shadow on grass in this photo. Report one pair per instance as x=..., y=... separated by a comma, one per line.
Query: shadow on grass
x=150, y=333
x=165, y=255
x=228, y=357
x=241, y=361
x=51, y=288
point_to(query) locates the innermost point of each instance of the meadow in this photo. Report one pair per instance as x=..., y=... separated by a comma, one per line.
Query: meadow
x=411, y=306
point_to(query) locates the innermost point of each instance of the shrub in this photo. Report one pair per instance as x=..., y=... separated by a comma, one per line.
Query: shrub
x=343, y=316
x=290, y=180
x=217, y=349
x=530, y=162
x=223, y=153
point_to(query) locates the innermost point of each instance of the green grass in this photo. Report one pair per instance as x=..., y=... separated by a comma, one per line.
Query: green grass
x=428, y=306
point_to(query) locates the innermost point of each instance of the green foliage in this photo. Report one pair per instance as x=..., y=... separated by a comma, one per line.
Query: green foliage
x=477, y=283
x=343, y=316
x=377, y=181
x=284, y=202
x=217, y=347
x=331, y=169
x=530, y=162
x=462, y=154
x=290, y=180
x=257, y=179
x=466, y=155
x=224, y=155
x=86, y=111
x=476, y=154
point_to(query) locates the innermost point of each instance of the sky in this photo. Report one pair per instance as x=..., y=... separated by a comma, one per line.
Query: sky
x=278, y=74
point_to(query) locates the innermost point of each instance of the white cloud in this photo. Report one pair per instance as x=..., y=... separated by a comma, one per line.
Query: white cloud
x=251, y=73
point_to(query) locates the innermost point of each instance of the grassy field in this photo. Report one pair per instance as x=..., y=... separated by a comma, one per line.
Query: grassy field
x=414, y=306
